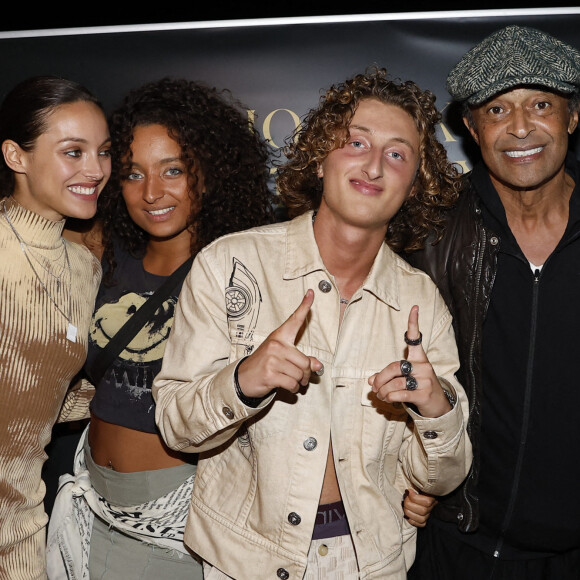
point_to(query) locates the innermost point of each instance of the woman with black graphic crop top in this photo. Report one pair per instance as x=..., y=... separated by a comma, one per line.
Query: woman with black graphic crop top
x=187, y=168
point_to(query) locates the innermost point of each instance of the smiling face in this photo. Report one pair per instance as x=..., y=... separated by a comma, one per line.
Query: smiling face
x=366, y=181
x=523, y=137
x=155, y=186
x=68, y=166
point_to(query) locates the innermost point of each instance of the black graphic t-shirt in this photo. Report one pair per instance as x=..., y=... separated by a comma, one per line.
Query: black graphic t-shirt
x=123, y=397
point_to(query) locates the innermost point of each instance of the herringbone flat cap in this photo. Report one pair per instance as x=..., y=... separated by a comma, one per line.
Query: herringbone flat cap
x=514, y=56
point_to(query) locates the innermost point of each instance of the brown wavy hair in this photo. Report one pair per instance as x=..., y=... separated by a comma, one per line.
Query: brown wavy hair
x=325, y=129
x=216, y=138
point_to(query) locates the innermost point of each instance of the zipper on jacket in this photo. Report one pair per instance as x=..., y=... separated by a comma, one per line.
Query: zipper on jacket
x=526, y=415
x=478, y=272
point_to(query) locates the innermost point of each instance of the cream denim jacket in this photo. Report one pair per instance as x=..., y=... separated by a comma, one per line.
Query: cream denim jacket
x=260, y=474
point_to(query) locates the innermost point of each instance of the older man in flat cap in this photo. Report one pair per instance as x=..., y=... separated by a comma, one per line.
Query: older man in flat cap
x=509, y=270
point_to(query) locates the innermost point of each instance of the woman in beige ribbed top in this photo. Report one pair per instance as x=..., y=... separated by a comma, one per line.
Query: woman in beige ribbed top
x=55, y=163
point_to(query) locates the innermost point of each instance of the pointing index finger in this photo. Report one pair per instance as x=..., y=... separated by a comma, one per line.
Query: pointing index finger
x=291, y=327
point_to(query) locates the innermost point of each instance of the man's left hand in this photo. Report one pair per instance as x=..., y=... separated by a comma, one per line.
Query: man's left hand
x=419, y=385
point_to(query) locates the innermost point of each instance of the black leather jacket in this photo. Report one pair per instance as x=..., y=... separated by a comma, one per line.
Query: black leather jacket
x=463, y=265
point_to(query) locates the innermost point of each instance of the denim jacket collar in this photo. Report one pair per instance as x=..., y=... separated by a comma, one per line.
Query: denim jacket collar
x=303, y=258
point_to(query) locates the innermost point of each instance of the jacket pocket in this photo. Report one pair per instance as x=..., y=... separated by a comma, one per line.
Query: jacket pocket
x=383, y=425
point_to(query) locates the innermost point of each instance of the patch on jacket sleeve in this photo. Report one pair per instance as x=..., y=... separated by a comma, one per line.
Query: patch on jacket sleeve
x=243, y=298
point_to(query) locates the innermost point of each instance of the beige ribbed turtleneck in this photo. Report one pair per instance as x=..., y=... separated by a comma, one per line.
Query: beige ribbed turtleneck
x=37, y=363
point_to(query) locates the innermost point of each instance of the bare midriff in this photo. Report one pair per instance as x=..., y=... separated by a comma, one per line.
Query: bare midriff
x=127, y=450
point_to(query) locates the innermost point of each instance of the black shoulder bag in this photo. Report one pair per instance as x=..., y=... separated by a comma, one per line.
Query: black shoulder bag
x=128, y=331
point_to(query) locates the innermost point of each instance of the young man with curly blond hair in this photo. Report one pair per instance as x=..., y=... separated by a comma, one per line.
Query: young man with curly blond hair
x=314, y=369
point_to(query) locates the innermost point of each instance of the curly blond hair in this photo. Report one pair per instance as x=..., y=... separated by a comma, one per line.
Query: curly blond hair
x=325, y=129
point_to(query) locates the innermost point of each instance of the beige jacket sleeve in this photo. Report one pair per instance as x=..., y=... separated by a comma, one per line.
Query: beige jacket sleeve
x=197, y=408
x=438, y=457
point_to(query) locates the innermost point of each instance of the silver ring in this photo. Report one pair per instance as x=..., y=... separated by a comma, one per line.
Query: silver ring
x=411, y=383
x=413, y=341
x=406, y=367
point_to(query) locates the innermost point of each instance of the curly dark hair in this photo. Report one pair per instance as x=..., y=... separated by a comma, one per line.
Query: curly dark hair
x=325, y=129
x=216, y=137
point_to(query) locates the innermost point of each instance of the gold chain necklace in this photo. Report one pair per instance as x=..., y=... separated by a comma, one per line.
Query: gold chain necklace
x=71, y=333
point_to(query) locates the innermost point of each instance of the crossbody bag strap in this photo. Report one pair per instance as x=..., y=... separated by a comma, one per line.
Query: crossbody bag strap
x=128, y=331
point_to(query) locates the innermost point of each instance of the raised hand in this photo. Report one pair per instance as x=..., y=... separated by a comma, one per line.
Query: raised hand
x=415, y=382
x=277, y=362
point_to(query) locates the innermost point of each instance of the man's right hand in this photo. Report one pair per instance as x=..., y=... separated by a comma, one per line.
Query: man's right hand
x=277, y=362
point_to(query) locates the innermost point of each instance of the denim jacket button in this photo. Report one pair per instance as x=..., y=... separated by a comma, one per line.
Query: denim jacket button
x=430, y=434
x=282, y=574
x=294, y=518
x=228, y=412
x=310, y=444
x=324, y=286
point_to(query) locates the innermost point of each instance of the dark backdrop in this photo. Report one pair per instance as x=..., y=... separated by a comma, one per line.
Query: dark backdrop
x=277, y=69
